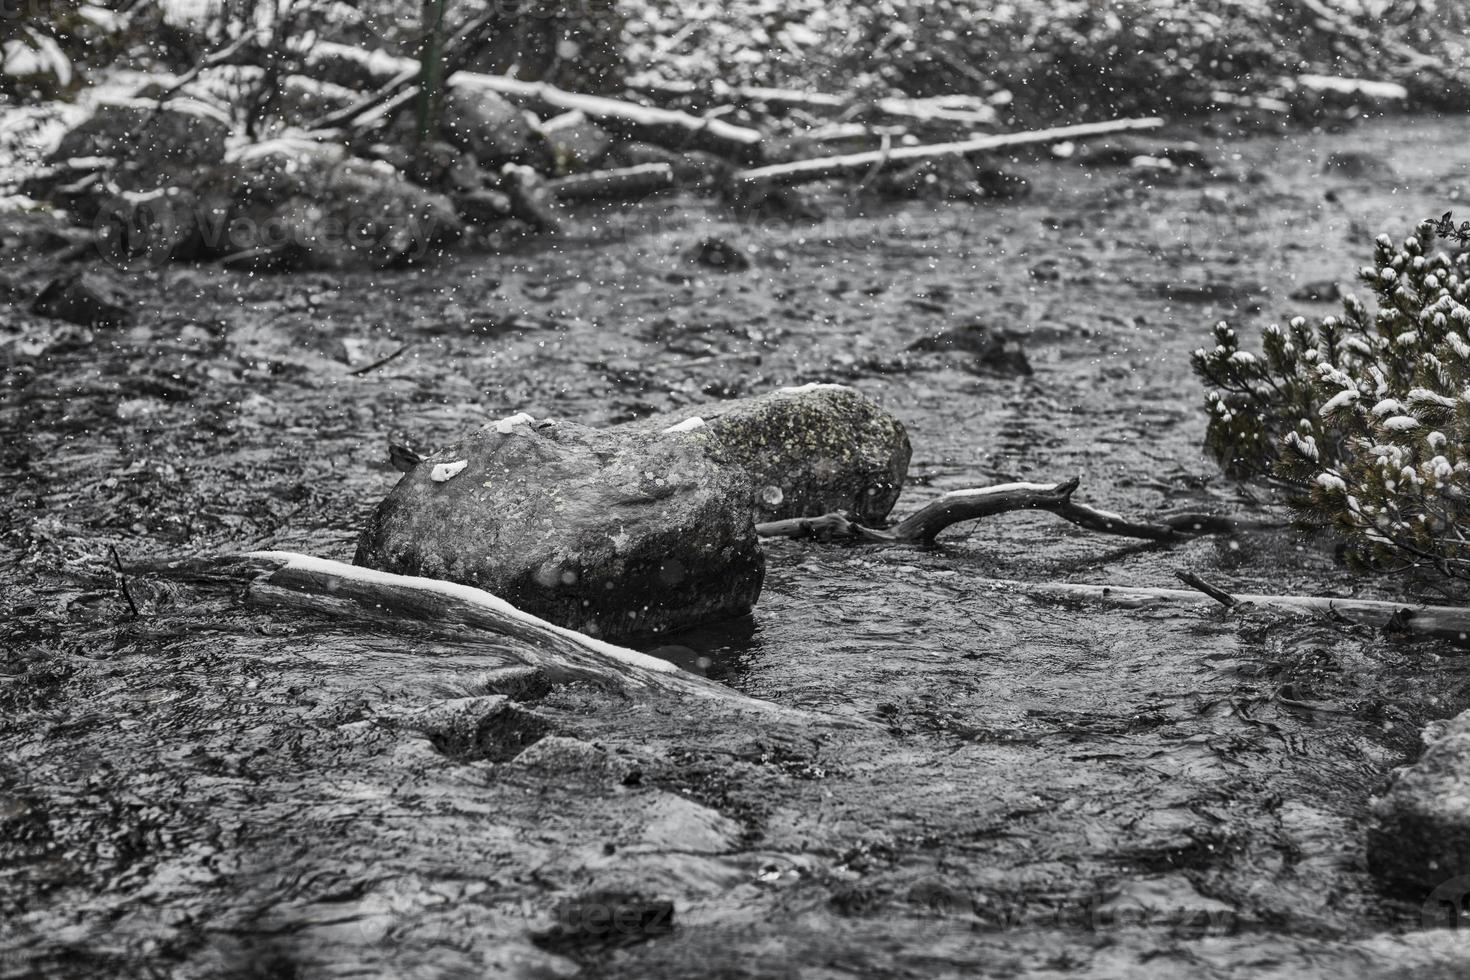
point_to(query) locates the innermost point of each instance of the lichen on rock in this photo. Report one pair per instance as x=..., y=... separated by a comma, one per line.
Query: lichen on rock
x=824, y=447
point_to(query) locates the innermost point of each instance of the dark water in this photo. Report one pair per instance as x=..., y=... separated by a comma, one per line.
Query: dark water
x=1038, y=789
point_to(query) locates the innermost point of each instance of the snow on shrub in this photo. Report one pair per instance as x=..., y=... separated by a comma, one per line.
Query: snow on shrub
x=1364, y=417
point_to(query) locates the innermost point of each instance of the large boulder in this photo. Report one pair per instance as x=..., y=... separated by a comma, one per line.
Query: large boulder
x=324, y=210
x=808, y=451
x=621, y=533
x=149, y=142
x=484, y=125
x=642, y=528
x=1421, y=831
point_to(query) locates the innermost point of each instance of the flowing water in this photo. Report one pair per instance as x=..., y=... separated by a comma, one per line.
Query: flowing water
x=1032, y=788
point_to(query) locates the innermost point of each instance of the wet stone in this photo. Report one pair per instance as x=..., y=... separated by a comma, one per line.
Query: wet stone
x=84, y=299
x=623, y=533
x=1421, y=832
x=716, y=253
x=643, y=528
x=573, y=759
x=808, y=451
x=980, y=348
x=606, y=919
x=471, y=729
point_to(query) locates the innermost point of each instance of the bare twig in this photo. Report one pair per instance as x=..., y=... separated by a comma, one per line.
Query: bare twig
x=381, y=361
x=1219, y=595
x=969, y=505
x=122, y=579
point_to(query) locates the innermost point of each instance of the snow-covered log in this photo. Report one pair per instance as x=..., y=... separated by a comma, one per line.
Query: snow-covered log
x=805, y=171
x=953, y=109
x=664, y=127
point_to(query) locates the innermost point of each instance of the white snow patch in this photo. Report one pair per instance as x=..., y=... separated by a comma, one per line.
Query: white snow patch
x=813, y=386
x=1390, y=91
x=1344, y=397
x=465, y=593
x=503, y=426
x=1331, y=481
x=287, y=146
x=688, y=425
x=444, y=472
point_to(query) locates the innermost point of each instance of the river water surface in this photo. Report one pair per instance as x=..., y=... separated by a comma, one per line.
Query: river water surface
x=1033, y=788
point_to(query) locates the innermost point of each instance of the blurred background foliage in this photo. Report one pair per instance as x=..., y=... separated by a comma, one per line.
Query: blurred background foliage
x=1055, y=58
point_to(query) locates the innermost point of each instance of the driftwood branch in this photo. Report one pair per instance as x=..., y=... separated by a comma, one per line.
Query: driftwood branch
x=319, y=585
x=957, y=506
x=1442, y=622
x=806, y=171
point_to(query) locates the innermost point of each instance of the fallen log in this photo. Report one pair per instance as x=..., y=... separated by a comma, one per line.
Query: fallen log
x=623, y=183
x=406, y=71
x=628, y=120
x=1442, y=622
x=805, y=171
x=323, y=586
x=957, y=506
x=953, y=109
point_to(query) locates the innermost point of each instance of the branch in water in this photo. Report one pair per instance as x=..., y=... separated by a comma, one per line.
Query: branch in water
x=970, y=505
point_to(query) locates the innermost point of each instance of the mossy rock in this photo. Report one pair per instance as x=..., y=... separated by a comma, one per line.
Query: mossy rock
x=808, y=451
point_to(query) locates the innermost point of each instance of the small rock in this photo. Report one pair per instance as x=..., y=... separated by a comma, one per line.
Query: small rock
x=1318, y=291
x=484, y=125
x=989, y=350
x=949, y=179
x=606, y=919
x=1352, y=163
x=572, y=758
x=1421, y=832
x=471, y=729
x=576, y=142
x=716, y=253
x=522, y=683
x=84, y=299
x=701, y=170
x=531, y=199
